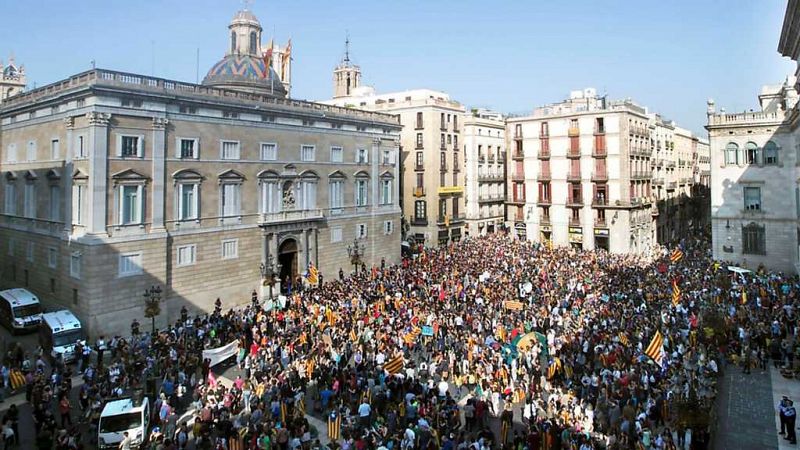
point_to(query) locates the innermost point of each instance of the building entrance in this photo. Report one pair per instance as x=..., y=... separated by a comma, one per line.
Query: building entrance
x=287, y=257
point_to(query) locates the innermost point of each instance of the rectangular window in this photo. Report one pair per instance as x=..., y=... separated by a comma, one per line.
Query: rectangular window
x=29, y=249
x=455, y=142
x=420, y=160
x=74, y=296
x=130, y=203
x=79, y=204
x=419, y=120
x=130, y=264
x=186, y=254
x=80, y=148
x=11, y=199
x=361, y=192
x=230, y=249
x=337, y=154
x=442, y=142
x=362, y=156
x=387, y=156
x=420, y=181
x=55, y=149
x=188, y=148
x=269, y=151
x=55, y=203
x=361, y=231
x=388, y=227
x=754, y=240
x=600, y=126
x=752, y=198
x=31, y=153
x=307, y=153
x=11, y=152
x=11, y=247
x=130, y=146
x=75, y=265
x=386, y=192
x=420, y=209
x=442, y=209
x=419, y=140
x=336, y=196
x=270, y=201
x=230, y=200
x=52, y=257
x=30, y=200
x=336, y=234
x=230, y=150
x=187, y=201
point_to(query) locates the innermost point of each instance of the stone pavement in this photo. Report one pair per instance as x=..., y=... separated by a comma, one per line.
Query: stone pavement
x=783, y=386
x=745, y=412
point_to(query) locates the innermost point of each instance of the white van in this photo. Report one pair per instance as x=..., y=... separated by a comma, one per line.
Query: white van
x=20, y=310
x=59, y=333
x=123, y=415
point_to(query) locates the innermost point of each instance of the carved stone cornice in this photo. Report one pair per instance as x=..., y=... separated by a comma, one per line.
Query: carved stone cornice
x=376, y=141
x=69, y=122
x=96, y=118
x=159, y=123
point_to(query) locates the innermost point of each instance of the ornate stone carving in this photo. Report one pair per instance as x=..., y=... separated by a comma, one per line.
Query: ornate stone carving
x=69, y=122
x=159, y=123
x=288, y=196
x=376, y=141
x=96, y=118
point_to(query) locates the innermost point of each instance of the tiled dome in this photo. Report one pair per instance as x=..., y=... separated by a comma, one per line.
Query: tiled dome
x=245, y=73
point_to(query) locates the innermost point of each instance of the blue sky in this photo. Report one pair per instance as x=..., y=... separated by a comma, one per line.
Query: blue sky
x=507, y=55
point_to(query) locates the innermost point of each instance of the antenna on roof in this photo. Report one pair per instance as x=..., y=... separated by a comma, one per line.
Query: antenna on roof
x=247, y=4
x=347, y=47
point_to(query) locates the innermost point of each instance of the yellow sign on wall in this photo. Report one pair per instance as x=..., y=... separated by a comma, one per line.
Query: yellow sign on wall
x=451, y=190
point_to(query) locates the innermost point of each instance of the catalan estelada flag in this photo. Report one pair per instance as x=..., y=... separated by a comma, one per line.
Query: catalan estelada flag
x=553, y=368
x=16, y=379
x=676, y=255
x=394, y=365
x=313, y=274
x=334, y=426
x=676, y=293
x=353, y=335
x=655, y=350
x=744, y=296
x=623, y=338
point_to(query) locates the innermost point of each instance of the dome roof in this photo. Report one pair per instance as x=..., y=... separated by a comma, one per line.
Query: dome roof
x=245, y=16
x=245, y=73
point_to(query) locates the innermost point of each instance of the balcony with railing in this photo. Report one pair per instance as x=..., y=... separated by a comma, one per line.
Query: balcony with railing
x=746, y=118
x=574, y=200
x=670, y=164
x=443, y=167
x=290, y=216
x=419, y=167
x=573, y=176
x=599, y=131
x=544, y=153
x=481, y=159
x=419, y=221
x=573, y=132
x=573, y=222
x=490, y=177
x=544, y=200
x=600, y=222
x=598, y=152
x=491, y=198
x=518, y=176
x=491, y=159
x=672, y=185
x=452, y=218
x=419, y=191
x=600, y=202
x=658, y=181
x=640, y=174
x=544, y=220
x=518, y=154
x=544, y=175
x=574, y=152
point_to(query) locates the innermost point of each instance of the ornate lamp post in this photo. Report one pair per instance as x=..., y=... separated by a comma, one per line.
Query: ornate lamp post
x=355, y=252
x=268, y=274
x=152, y=304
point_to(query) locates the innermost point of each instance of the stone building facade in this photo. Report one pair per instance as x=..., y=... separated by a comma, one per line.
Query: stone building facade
x=484, y=172
x=12, y=79
x=115, y=182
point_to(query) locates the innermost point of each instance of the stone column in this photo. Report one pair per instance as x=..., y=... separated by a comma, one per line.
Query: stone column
x=306, y=250
x=159, y=167
x=263, y=291
x=375, y=175
x=98, y=172
x=66, y=177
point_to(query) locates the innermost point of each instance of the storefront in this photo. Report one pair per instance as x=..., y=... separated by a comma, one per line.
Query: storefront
x=444, y=237
x=601, y=239
x=455, y=234
x=576, y=237
x=522, y=231
x=545, y=234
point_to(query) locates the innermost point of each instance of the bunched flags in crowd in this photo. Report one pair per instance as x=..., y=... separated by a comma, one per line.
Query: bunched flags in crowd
x=676, y=255
x=655, y=350
x=334, y=426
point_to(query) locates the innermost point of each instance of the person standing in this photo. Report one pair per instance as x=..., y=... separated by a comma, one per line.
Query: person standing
x=791, y=416
x=125, y=444
x=781, y=408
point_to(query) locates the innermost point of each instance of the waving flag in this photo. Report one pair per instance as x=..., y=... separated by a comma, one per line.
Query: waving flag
x=312, y=275
x=676, y=255
x=394, y=365
x=676, y=293
x=656, y=348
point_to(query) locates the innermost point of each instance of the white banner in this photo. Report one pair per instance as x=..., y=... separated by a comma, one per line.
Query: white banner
x=219, y=354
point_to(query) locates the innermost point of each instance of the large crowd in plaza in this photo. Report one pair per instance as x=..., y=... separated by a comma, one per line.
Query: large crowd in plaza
x=436, y=353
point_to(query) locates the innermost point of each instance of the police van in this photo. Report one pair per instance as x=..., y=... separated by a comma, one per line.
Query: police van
x=59, y=332
x=20, y=310
x=122, y=415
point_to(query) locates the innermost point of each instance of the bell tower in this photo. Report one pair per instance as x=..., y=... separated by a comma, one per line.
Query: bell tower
x=346, y=76
x=12, y=79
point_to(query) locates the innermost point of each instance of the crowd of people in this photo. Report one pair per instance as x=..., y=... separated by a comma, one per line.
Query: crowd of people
x=484, y=344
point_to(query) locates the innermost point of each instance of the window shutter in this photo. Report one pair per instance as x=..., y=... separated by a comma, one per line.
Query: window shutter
x=140, y=146
x=197, y=148
x=177, y=147
x=119, y=145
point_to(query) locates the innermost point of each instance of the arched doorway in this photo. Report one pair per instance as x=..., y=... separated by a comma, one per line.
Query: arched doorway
x=287, y=257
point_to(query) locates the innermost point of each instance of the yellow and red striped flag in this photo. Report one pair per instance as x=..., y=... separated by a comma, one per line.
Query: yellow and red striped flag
x=313, y=274
x=513, y=305
x=623, y=338
x=394, y=365
x=676, y=293
x=676, y=255
x=656, y=348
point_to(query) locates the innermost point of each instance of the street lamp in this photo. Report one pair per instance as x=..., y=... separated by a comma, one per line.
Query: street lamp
x=268, y=274
x=355, y=252
x=152, y=304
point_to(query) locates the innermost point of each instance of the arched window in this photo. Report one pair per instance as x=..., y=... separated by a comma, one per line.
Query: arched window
x=731, y=154
x=233, y=42
x=770, y=153
x=751, y=153
x=253, y=42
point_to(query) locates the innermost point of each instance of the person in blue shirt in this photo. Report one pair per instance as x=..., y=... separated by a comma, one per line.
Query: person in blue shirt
x=791, y=416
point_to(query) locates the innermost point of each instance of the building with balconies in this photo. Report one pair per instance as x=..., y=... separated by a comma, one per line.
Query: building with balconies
x=114, y=182
x=485, y=171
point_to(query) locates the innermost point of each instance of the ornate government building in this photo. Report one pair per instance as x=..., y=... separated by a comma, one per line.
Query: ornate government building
x=115, y=182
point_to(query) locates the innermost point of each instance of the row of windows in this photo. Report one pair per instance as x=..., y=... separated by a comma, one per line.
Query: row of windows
x=132, y=146
x=52, y=257
x=752, y=154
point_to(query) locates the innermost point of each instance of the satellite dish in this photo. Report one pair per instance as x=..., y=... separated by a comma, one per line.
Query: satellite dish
x=528, y=286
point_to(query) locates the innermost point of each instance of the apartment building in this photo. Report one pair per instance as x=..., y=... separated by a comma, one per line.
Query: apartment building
x=580, y=174
x=116, y=182
x=432, y=164
x=484, y=173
